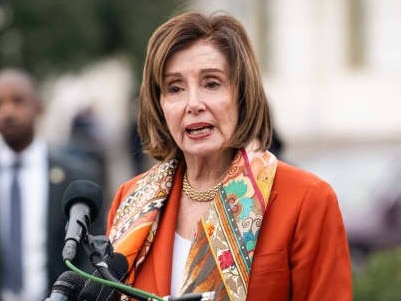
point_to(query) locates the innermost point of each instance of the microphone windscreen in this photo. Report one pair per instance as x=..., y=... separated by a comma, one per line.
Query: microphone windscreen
x=83, y=191
x=94, y=291
x=68, y=284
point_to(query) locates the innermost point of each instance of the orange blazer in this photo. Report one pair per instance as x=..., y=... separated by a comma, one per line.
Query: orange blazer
x=301, y=254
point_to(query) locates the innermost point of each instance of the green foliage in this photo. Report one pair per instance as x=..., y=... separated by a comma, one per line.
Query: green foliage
x=52, y=36
x=381, y=280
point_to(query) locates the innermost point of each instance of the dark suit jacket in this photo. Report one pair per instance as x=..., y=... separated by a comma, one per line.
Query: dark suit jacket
x=63, y=170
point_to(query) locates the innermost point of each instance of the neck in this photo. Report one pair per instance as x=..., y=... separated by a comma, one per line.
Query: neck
x=205, y=173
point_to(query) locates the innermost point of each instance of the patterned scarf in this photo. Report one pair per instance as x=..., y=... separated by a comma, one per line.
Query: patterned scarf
x=220, y=257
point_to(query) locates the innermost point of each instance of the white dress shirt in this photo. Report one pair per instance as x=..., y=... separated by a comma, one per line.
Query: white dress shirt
x=34, y=182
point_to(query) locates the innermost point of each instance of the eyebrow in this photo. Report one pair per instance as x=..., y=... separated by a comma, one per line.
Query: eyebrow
x=171, y=74
x=203, y=71
x=209, y=70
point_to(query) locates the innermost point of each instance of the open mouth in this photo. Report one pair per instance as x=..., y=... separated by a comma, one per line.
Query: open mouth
x=201, y=130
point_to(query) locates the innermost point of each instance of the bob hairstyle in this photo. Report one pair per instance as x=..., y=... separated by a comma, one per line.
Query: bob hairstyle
x=229, y=37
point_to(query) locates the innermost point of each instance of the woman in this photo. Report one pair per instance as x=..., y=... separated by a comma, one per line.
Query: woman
x=219, y=212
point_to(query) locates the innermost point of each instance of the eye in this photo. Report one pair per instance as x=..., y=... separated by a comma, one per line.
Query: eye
x=174, y=89
x=173, y=86
x=212, y=84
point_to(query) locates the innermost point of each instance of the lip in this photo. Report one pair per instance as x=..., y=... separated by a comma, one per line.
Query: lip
x=197, y=125
x=199, y=130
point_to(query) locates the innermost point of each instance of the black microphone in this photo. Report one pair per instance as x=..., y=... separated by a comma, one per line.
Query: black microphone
x=67, y=287
x=81, y=203
x=94, y=291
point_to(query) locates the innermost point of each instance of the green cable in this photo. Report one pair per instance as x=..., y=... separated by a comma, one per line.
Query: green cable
x=117, y=285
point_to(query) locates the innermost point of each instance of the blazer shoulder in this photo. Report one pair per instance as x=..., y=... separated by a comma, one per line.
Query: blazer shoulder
x=292, y=178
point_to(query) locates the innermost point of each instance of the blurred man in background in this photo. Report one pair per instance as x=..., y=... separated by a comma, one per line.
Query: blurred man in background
x=32, y=183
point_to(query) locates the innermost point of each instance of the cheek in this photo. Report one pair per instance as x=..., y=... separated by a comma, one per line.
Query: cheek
x=170, y=123
x=228, y=123
x=165, y=110
x=171, y=115
x=231, y=114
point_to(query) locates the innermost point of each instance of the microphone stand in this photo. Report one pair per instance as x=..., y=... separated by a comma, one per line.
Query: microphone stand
x=97, y=248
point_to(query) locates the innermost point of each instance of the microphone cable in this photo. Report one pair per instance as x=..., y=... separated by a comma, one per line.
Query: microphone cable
x=128, y=290
x=134, y=292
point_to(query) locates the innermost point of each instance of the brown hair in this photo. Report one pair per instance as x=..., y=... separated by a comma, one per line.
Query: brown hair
x=229, y=36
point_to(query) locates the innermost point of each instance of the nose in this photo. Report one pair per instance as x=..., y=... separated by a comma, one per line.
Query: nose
x=195, y=104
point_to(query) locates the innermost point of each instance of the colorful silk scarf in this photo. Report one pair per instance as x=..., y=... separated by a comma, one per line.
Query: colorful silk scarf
x=220, y=258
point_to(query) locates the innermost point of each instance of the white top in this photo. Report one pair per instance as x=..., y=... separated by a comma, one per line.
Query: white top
x=180, y=254
x=34, y=193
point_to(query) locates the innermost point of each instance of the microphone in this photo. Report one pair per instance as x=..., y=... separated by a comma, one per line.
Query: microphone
x=67, y=287
x=81, y=203
x=94, y=291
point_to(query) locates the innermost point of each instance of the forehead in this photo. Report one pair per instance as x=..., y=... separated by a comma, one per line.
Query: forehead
x=200, y=54
x=15, y=84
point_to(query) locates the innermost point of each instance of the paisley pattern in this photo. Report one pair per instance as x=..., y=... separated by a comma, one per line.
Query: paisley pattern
x=234, y=221
x=224, y=246
x=141, y=209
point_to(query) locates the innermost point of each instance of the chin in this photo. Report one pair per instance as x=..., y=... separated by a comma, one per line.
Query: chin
x=203, y=150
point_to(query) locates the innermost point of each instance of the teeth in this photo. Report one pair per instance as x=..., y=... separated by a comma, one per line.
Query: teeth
x=199, y=131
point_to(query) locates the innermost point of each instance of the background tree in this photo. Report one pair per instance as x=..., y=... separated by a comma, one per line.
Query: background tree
x=48, y=37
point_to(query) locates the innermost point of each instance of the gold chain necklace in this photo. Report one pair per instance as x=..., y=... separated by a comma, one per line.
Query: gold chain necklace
x=199, y=196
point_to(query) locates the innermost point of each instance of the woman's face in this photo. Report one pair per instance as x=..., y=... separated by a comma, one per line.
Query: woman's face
x=198, y=99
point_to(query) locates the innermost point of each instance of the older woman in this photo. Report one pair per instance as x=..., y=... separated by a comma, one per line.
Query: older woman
x=219, y=212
